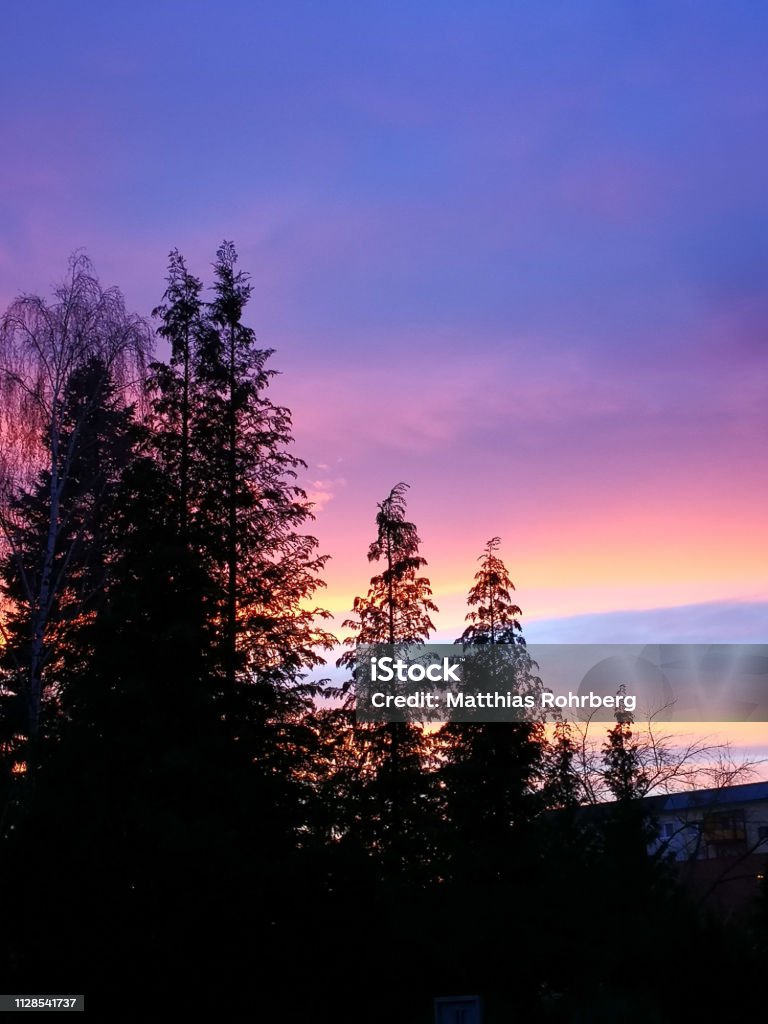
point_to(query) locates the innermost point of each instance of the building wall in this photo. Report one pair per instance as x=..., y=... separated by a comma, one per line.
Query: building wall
x=713, y=832
x=720, y=848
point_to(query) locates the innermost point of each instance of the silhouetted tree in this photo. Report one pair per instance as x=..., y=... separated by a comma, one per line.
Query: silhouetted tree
x=392, y=798
x=624, y=774
x=491, y=770
x=399, y=602
x=93, y=409
x=144, y=799
x=493, y=618
x=175, y=383
x=42, y=346
x=562, y=786
x=167, y=794
x=625, y=827
x=250, y=511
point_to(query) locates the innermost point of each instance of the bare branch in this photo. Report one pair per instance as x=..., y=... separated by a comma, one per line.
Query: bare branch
x=42, y=345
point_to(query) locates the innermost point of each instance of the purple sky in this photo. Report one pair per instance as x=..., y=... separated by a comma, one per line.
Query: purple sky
x=512, y=253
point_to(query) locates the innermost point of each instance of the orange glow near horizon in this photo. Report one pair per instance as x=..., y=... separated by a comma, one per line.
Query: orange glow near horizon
x=596, y=560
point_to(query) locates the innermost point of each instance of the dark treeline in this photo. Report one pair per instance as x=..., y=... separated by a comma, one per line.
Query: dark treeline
x=185, y=824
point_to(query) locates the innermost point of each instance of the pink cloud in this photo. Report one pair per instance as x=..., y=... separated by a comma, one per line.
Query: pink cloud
x=322, y=492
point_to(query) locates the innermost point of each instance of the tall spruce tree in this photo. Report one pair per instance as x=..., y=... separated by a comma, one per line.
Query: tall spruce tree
x=243, y=514
x=394, y=790
x=490, y=769
x=175, y=384
x=251, y=510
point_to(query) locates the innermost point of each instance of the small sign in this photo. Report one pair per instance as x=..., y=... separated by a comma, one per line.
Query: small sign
x=458, y=1010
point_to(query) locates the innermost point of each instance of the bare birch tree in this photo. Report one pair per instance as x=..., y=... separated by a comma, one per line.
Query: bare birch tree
x=42, y=345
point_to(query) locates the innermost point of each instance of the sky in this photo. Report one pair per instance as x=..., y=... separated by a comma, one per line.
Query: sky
x=514, y=254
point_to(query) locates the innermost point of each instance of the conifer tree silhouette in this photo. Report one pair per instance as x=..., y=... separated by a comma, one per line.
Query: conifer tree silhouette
x=397, y=612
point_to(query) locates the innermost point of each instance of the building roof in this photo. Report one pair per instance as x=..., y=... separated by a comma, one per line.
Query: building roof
x=706, y=798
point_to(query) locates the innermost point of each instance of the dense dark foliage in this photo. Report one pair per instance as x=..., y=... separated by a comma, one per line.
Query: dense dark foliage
x=184, y=825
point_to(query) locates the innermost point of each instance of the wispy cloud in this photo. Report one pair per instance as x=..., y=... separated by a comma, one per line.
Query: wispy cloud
x=322, y=491
x=711, y=622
